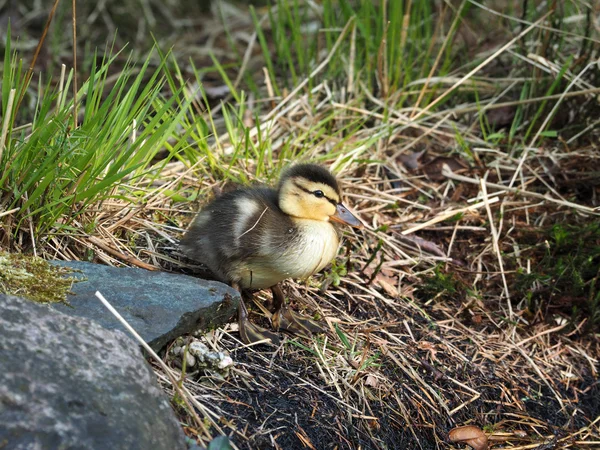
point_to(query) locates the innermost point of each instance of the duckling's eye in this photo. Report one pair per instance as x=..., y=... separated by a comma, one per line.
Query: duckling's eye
x=319, y=194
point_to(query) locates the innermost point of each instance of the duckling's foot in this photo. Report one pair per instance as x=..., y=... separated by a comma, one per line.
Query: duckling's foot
x=251, y=333
x=285, y=319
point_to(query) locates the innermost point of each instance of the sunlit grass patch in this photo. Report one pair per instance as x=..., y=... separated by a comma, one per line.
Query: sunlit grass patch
x=53, y=173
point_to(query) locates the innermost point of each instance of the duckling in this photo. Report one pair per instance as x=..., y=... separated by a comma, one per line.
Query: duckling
x=254, y=238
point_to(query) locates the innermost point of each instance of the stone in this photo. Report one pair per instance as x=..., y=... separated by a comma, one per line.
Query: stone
x=68, y=383
x=160, y=306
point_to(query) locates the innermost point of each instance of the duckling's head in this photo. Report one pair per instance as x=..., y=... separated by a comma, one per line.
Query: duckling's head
x=308, y=191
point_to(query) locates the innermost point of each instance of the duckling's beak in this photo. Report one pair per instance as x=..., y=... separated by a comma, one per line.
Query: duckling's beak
x=342, y=215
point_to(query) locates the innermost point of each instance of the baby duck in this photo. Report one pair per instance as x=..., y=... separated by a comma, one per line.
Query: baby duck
x=254, y=238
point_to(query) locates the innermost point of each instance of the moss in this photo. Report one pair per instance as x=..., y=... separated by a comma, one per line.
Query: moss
x=34, y=278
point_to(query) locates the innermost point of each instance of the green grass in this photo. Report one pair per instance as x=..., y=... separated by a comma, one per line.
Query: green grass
x=54, y=173
x=378, y=48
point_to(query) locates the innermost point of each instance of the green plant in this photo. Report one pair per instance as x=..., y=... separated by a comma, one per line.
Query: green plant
x=440, y=284
x=568, y=272
x=53, y=172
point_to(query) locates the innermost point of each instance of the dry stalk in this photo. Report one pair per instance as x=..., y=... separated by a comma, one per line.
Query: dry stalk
x=74, y=23
x=6, y=122
x=586, y=209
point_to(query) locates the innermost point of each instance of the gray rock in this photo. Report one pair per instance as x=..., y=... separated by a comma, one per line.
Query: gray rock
x=160, y=306
x=68, y=383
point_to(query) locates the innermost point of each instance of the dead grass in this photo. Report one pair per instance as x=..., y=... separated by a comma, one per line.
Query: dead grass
x=410, y=366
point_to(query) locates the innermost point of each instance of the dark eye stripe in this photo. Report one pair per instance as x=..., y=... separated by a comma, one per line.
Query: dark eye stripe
x=333, y=202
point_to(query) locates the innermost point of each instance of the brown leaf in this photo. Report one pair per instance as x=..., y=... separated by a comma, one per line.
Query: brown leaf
x=426, y=345
x=423, y=244
x=387, y=284
x=469, y=435
x=372, y=381
x=407, y=291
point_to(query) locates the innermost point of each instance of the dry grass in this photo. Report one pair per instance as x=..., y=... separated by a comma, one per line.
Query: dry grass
x=413, y=365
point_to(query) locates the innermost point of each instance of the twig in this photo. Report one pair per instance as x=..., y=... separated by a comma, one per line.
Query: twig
x=74, y=63
x=29, y=73
x=526, y=101
x=449, y=174
x=127, y=258
x=544, y=124
x=481, y=66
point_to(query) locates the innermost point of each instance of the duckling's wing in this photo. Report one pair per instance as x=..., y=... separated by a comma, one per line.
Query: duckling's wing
x=263, y=229
x=239, y=228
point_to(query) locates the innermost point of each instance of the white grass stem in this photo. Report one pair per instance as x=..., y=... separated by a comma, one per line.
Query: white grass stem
x=61, y=87
x=133, y=131
x=248, y=52
x=10, y=211
x=447, y=214
x=318, y=69
x=526, y=22
x=350, y=84
x=7, y=118
x=187, y=397
x=545, y=123
x=449, y=174
x=495, y=244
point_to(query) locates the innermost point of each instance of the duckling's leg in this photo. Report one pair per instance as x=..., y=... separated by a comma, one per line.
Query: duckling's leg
x=249, y=332
x=285, y=319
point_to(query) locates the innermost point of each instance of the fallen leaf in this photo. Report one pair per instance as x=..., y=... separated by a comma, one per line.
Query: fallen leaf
x=469, y=435
x=425, y=345
x=428, y=346
x=372, y=381
x=387, y=284
x=423, y=244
